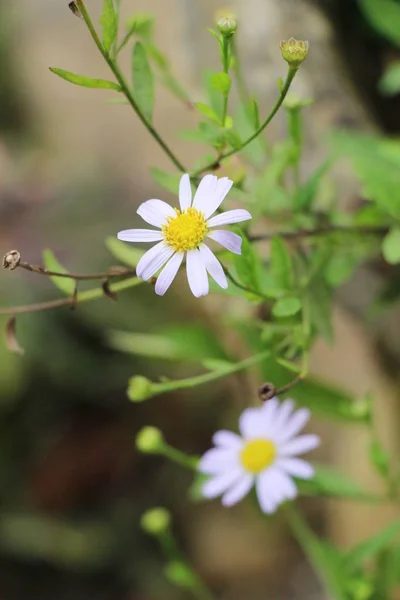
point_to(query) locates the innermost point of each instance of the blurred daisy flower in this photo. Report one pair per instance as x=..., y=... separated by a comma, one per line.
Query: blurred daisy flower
x=182, y=232
x=265, y=454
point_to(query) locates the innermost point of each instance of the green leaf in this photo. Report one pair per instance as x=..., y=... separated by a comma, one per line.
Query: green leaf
x=328, y=482
x=281, y=264
x=254, y=113
x=391, y=246
x=389, y=84
x=339, y=269
x=371, y=547
x=194, y=492
x=319, y=302
x=167, y=181
x=62, y=283
x=109, y=23
x=305, y=197
x=286, y=307
x=207, y=112
x=143, y=81
x=143, y=24
x=384, y=16
x=88, y=82
x=379, y=458
x=221, y=82
x=248, y=265
x=123, y=252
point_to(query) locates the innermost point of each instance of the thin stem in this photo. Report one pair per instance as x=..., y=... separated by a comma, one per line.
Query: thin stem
x=242, y=287
x=226, y=56
x=214, y=165
x=80, y=298
x=113, y=272
x=323, y=230
x=125, y=88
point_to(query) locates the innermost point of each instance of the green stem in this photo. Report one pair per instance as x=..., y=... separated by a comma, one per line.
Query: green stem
x=289, y=78
x=179, y=457
x=190, y=382
x=125, y=88
x=226, y=58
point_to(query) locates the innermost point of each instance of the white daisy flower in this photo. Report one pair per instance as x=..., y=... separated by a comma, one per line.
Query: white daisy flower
x=182, y=232
x=265, y=454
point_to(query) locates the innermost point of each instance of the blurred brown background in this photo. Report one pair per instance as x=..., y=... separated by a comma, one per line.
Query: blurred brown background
x=73, y=168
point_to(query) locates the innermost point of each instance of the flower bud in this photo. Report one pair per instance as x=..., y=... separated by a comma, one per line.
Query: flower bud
x=155, y=521
x=11, y=260
x=294, y=52
x=180, y=575
x=139, y=389
x=74, y=8
x=149, y=440
x=226, y=23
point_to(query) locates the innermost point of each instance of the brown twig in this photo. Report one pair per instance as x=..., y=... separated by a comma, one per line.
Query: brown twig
x=267, y=390
x=112, y=272
x=323, y=230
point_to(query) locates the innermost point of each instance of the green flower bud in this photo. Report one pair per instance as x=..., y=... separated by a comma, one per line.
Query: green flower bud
x=180, y=575
x=294, y=52
x=139, y=389
x=226, y=23
x=149, y=440
x=155, y=521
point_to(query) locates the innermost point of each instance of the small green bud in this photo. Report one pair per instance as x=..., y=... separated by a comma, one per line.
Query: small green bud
x=226, y=23
x=180, y=575
x=149, y=440
x=155, y=521
x=294, y=51
x=139, y=388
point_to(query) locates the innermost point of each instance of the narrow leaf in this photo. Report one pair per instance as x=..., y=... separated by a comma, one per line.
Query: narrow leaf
x=88, y=82
x=121, y=251
x=11, y=337
x=373, y=545
x=221, y=82
x=281, y=263
x=109, y=23
x=165, y=180
x=207, y=111
x=143, y=81
x=64, y=284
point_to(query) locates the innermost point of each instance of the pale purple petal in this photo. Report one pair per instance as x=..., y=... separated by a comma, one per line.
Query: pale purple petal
x=185, y=192
x=238, y=490
x=168, y=273
x=204, y=192
x=228, y=217
x=196, y=274
x=217, y=460
x=213, y=266
x=140, y=235
x=296, y=467
x=220, y=483
x=210, y=203
x=229, y=240
x=227, y=439
x=153, y=260
x=294, y=425
x=299, y=445
x=156, y=212
x=252, y=423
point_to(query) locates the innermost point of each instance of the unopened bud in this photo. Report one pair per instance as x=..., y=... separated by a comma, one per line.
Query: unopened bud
x=149, y=440
x=74, y=7
x=226, y=23
x=294, y=51
x=11, y=260
x=155, y=521
x=139, y=389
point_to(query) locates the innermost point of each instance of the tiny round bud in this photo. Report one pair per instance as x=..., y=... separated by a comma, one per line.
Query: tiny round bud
x=155, y=521
x=294, y=51
x=139, y=388
x=11, y=260
x=226, y=23
x=149, y=440
x=266, y=391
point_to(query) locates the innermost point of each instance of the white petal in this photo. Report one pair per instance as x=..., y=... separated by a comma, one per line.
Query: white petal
x=294, y=425
x=273, y=488
x=296, y=467
x=299, y=445
x=229, y=240
x=213, y=201
x=265, y=495
x=168, y=273
x=204, y=192
x=227, y=439
x=217, y=485
x=185, y=192
x=155, y=212
x=217, y=460
x=213, y=266
x=228, y=217
x=238, y=490
x=139, y=235
x=196, y=274
x=153, y=260
x=281, y=418
x=252, y=423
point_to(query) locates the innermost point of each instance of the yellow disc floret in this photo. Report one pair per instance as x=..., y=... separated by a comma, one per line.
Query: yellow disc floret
x=257, y=455
x=186, y=230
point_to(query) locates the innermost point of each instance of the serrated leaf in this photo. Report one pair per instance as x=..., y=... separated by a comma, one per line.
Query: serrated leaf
x=389, y=84
x=123, y=252
x=143, y=81
x=221, y=82
x=286, y=307
x=64, y=284
x=109, y=22
x=84, y=81
x=281, y=264
x=167, y=181
x=208, y=112
x=391, y=246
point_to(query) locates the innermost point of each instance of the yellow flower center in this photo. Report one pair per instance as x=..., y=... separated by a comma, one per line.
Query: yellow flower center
x=257, y=455
x=186, y=230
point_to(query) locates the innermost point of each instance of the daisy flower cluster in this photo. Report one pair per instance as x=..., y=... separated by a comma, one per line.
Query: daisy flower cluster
x=264, y=454
x=182, y=233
